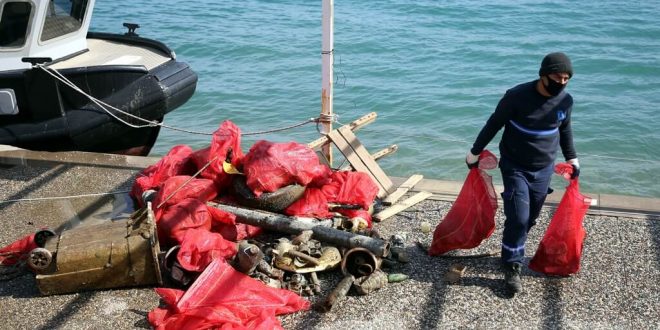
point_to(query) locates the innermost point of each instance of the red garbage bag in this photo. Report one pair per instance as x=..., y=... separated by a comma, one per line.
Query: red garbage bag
x=180, y=187
x=560, y=249
x=17, y=251
x=269, y=166
x=178, y=218
x=200, y=247
x=224, y=223
x=176, y=162
x=225, y=146
x=223, y=298
x=351, y=188
x=313, y=203
x=471, y=218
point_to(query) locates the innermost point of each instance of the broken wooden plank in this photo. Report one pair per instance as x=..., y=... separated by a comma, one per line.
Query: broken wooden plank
x=364, y=156
x=385, y=152
x=360, y=159
x=354, y=126
x=376, y=156
x=348, y=152
x=398, y=207
x=402, y=189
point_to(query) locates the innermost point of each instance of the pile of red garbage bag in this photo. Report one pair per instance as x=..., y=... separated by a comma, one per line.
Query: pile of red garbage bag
x=182, y=183
x=184, y=180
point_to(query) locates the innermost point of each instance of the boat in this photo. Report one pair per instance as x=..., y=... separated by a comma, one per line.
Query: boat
x=64, y=88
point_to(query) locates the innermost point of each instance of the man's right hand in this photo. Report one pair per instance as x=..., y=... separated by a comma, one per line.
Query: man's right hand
x=471, y=160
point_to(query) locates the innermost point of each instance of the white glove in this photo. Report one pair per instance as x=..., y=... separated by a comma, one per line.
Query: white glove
x=576, y=167
x=471, y=160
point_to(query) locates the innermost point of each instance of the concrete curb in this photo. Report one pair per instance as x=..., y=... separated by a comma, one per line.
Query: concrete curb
x=607, y=205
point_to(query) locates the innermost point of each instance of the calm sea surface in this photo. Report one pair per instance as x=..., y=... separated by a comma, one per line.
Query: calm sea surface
x=432, y=70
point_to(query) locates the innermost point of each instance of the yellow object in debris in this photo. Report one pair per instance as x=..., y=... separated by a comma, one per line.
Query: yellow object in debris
x=229, y=168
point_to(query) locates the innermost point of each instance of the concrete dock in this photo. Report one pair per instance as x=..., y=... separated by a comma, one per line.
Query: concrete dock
x=617, y=287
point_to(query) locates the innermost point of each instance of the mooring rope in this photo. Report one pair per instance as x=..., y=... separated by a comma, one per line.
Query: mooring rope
x=149, y=123
x=39, y=199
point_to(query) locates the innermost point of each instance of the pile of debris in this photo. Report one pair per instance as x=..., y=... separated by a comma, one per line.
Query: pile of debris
x=233, y=238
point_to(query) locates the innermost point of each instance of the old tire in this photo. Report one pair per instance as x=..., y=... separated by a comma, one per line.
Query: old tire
x=275, y=201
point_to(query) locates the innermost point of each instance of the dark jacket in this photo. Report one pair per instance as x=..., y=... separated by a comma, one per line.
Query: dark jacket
x=534, y=127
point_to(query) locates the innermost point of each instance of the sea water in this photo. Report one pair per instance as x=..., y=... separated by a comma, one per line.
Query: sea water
x=433, y=71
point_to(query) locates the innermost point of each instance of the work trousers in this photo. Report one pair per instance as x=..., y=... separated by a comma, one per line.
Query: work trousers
x=523, y=196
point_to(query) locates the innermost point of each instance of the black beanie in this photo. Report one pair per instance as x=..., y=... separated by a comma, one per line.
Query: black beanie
x=556, y=63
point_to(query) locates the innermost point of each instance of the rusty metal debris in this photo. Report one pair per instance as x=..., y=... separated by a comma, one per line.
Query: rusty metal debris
x=323, y=230
x=455, y=273
x=114, y=254
x=337, y=294
x=372, y=282
x=359, y=262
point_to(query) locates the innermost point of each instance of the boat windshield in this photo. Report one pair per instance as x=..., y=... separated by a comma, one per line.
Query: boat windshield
x=63, y=17
x=14, y=23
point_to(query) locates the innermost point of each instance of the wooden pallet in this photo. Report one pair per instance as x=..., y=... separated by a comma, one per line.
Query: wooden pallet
x=360, y=159
x=402, y=189
x=400, y=206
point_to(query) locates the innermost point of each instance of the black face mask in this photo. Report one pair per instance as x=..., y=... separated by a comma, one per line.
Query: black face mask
x=553, y=88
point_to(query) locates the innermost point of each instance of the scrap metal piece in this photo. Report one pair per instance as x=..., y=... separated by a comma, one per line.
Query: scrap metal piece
x=297, y=283
x=370, y=283
x=248, y=257
x=303, y=237
x=330, y=258
x=354, y=225
x=316, y=284
x=359, y=262
x=337, y=294
x=265, y=268
x=455, y=272
x=269, y=281
x=174, y=270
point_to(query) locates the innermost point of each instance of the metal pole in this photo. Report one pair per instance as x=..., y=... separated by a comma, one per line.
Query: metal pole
x=327, y=49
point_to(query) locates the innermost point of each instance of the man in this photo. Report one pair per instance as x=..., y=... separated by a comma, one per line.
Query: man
x=536, y=117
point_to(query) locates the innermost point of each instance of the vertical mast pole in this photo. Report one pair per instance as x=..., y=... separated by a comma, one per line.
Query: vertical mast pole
x=327, y=49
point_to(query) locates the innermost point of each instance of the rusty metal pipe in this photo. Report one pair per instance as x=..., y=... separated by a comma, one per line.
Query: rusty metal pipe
x=337, y=294
x=303, y=256
x=359, y=262
x=323, y=230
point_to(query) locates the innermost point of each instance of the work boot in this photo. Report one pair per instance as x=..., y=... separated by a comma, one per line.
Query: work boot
x=512, y=281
